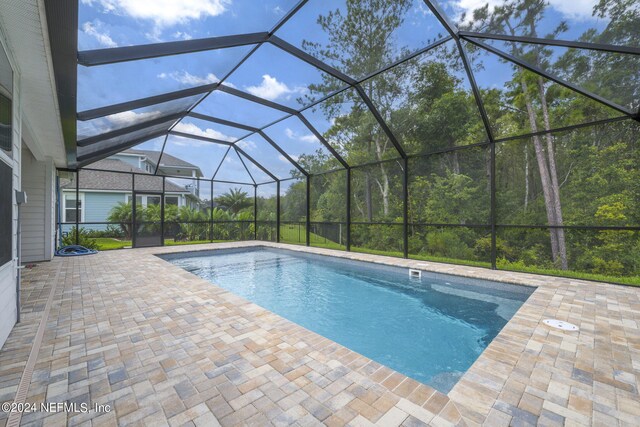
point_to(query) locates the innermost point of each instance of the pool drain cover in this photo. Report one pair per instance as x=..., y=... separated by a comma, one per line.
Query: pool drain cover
x=559, y=324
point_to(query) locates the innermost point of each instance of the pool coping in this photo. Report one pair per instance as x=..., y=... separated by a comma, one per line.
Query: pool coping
x=439, y=276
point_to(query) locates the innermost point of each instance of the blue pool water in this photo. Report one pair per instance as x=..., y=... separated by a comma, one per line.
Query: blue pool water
x=431, y=329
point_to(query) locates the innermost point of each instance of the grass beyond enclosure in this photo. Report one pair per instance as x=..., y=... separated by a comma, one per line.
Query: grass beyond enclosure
x=292, y=235
x=109, y=243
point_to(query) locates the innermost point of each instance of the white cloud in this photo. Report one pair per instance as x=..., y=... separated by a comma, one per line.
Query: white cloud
x=246, y=144
x=182, y=35
x=194, y=129
x=163, y=13
x=580, y=10
x=189, y=79
x=94, y=29
x=575, y=9
x=296, y=136
x=285, y=160
x=127, y=118
x=271, y=89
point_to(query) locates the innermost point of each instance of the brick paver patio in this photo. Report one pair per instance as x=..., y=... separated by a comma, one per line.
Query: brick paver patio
x=164, y=347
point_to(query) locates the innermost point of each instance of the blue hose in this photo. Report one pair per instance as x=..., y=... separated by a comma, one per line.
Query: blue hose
x=75, y=250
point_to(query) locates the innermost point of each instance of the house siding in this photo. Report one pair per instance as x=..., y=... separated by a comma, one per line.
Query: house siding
x=130, y=160
x=98, y=205
x=36, y=216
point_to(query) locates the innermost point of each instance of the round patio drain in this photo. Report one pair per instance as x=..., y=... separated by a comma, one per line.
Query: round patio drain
x=559, y=324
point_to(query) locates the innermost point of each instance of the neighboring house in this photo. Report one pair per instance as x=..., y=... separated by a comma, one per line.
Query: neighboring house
x=100, y=191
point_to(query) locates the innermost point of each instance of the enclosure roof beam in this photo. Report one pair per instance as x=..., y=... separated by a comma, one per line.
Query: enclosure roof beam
x=226, y=153
x=435, y=8
x=252, y=160
x=90, y=58
x=200, y=137
x=553, y=42
x=552, y=77
x=222, y=121
x=144, y=102
x=256, y=99
x=125, y=130
x=381, y=121
x=284, y=153
x=164, y=144
x=245, y=166
x=324, y=142
x=282, y=21
x=311, y=60
x=475, y=90
x=85, y=159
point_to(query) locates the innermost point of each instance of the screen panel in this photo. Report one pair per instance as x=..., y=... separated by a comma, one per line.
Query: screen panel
x=293, y=211
x=121, y=23
x=155, y=76
x=595, y=170
x=518, y=101
x=428, y=102
x=347, y=124
x=187, y=211
x=267, y=212
x=450, y=188
x=359, y=38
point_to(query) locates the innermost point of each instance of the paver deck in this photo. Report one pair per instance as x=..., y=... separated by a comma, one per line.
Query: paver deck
x=161, y=346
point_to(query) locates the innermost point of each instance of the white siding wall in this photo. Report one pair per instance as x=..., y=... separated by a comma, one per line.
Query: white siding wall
x=8, y=312
x=36, y=215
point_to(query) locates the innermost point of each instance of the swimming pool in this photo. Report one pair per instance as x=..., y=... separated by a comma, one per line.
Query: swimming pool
x=431, y=329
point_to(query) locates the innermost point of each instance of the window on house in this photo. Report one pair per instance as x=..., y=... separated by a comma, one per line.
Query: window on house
x=153, y=200
x=171, y=200
x=71, y=202
x=6, y=88
x=6, y=212
x=138, y=200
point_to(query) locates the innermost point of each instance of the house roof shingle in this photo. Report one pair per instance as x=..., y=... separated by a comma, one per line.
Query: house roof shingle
x=99, y=180
x=167, y=159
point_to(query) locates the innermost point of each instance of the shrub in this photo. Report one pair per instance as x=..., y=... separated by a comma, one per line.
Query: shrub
x=84, y=239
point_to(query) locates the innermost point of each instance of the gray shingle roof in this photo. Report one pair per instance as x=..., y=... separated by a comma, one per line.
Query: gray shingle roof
x=98, y=180
x=167, y=159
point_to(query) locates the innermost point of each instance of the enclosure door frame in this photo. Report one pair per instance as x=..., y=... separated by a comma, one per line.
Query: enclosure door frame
x=134, y=219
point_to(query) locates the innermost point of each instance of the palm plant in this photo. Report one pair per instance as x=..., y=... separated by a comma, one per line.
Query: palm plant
x=234, y=200
x=122, y=214
x=193, y=223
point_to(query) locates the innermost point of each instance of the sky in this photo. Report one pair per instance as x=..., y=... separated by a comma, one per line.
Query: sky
x=269, y=73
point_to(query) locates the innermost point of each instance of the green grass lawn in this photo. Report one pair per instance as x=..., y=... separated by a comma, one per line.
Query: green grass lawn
x=171, y=242
x=289, y=234
x=108, y=243
x=628, y=280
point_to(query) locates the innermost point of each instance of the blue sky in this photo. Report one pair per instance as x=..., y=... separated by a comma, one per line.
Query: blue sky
x=269, y=73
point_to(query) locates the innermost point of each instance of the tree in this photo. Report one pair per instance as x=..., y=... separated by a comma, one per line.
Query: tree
x=234, y=200
x=122, y=214
x=359, y=43
x=521, y=17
